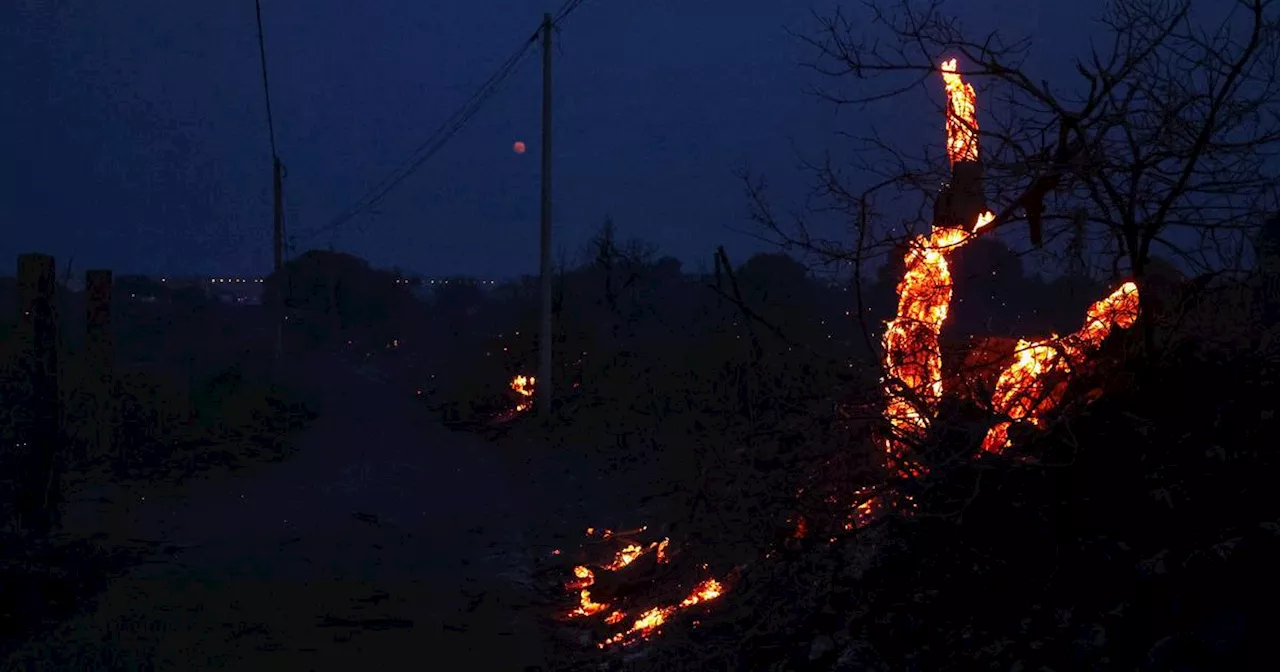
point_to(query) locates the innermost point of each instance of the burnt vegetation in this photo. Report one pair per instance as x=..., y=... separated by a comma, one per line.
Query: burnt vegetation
x=738, y=411
x=1135, y=531
x=727, y=423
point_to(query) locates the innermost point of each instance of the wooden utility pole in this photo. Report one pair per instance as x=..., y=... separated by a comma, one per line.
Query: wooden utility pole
x=277, y=239
x=276, y=310
x=542, y=388
x=40, y=435
x=100, y=352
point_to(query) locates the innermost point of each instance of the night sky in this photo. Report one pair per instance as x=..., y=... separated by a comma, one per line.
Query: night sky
x=134, y=133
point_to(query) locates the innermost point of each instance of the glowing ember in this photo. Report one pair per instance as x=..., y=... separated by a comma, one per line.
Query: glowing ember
x=801, y=529
x=615, y=617
x=872, y=502
x=962, y=115
x=912, y=358
x=626, y=556
x=584, y=577
x=523, y=386
x=631, y=552
x=587, y=607
x=1026, y=391
x=1032, y=385
x=650, y=621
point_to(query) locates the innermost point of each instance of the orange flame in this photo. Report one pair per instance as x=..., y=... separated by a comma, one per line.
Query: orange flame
x=913, y=360
x=631, y=552
x=913, y=383
x=650, y=621
x=626, y=556
x=615, y=617
x=584, y=578
x=962, y=115
x=1023, y=392
x=586, y=606
x=523, y=386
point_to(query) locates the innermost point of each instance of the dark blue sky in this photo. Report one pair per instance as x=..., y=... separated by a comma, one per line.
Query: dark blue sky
x=134, y=133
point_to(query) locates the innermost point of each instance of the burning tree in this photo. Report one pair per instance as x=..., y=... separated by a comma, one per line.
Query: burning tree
x=1145, y=152
x=1031, y=384
x=1160, y=145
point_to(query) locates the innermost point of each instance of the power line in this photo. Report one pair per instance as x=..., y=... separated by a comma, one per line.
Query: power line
x=443, y=134
x=266, y=86
x=566, y=9
x=434, y=143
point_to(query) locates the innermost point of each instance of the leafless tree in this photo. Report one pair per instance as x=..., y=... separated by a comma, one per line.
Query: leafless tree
x=1164, y=142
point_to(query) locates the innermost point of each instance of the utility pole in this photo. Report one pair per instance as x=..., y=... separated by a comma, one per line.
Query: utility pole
x=542, y=388
x=277, y=191
x=277, y=313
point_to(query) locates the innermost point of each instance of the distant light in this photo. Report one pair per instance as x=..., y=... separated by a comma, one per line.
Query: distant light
x=519, y=147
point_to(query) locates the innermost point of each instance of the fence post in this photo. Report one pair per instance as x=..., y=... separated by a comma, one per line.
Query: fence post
x=100, y=353
x=40, y=435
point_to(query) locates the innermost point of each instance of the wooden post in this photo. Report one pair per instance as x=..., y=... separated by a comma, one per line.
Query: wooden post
x=39, y=434
x=100, y=353
x=542, y=388
x=277, y=247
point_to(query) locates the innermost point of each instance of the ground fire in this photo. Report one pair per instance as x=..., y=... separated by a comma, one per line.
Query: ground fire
x=523, y=386
x=1032, y=380
x=625, y=552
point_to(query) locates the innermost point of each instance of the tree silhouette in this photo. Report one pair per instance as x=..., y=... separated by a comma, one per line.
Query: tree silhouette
x=779, y=289
x=336, y=296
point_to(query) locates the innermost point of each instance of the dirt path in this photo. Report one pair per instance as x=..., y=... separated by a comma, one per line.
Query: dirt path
x=387, y=544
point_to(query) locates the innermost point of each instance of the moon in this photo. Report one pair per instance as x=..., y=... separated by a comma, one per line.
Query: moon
x=518, y=147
